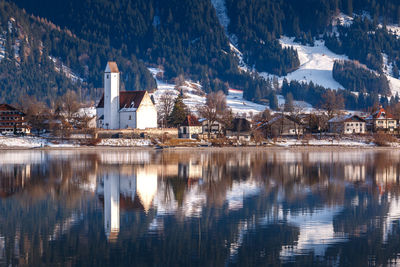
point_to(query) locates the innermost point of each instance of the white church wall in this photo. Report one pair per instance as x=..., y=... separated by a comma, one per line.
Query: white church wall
x=127, y=119
x=146, y=114
x=99, y=113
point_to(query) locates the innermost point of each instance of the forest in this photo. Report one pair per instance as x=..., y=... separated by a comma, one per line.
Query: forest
x=185, y=38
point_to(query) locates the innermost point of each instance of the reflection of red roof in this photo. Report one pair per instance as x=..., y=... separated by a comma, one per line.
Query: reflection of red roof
x=191, y=121
x=126, y=98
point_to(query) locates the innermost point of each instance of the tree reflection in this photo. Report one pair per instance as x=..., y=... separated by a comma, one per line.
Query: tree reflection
x=208, y=208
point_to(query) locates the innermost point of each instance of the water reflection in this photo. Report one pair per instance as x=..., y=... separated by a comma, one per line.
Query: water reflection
x=221, y=208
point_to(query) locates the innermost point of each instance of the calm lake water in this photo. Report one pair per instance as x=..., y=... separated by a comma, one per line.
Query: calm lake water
x=199, y=208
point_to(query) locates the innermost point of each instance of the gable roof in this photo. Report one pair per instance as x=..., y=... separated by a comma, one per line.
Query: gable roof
x=279, y=118
x=126, y=98
x=240, y=124
x=191, y=120
x=379, y=114
x=112, y=67
x=346, y=118
x=7, y=107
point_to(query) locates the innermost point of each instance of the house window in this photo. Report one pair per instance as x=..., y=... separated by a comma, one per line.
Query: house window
x=108, y=76
x=130, y=117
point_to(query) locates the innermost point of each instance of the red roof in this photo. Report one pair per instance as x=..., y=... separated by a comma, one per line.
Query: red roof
x=191, y=121
x=7, y=107
x=112, y=65
x=380, y=114
x=126, y=98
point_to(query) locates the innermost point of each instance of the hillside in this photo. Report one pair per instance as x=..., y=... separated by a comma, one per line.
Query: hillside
x=221, y=44
x=39, y=59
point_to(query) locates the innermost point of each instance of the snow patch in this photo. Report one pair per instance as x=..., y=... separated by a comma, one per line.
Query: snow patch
x=316, y=64
x=194, y=96
x=124, y=142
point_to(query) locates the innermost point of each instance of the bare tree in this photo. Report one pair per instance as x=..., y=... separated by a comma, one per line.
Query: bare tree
x=166, y=104
x=213, y=109
x=332, y=102
x=37, y=112
x=67, y=105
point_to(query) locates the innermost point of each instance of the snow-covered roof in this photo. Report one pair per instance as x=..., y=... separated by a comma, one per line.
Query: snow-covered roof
x=344, y=118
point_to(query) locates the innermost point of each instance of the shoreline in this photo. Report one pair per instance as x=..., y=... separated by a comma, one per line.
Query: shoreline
x=212, y=149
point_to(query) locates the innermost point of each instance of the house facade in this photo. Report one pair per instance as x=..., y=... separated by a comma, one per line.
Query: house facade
x=190, y=128
x=215, y=128
x=12, y=121
x=240, y=130
x=123, y=109
x=283, y=125
x=347, y=124
x=380, y=120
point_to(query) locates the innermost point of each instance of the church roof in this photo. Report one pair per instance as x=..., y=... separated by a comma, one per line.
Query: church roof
x=126, y=98
x=112, y=67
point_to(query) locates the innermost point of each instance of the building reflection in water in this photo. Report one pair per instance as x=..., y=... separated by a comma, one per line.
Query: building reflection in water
x=125, y=188
x=318, y=194
x=111, y=183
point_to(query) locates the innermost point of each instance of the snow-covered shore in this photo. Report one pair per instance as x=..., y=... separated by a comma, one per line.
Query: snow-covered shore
x=8, y=142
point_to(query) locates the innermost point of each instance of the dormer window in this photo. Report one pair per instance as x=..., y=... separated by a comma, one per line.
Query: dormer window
x=132, y=104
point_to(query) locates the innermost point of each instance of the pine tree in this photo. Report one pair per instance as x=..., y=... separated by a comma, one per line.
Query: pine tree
x=179, y=112
x=273, y=101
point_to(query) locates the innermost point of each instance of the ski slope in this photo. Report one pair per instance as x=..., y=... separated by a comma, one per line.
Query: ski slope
x=316, y=64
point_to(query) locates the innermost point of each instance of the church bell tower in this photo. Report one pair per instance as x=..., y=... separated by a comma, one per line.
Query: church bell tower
x=111, y=96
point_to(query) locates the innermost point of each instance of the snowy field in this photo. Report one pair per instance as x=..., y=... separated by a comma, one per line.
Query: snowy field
x=194, y=96
x=316, y=64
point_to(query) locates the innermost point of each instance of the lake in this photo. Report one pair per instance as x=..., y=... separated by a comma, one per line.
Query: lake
x=200, y=208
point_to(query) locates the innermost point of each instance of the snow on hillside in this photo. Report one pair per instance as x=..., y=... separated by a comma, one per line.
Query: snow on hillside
x=60, y=67
x=222, y=15
x=194, y=96
x=316, y=64
x=394, y=83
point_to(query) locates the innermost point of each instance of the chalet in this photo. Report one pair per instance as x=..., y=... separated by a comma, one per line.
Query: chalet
x=12, y=121
x=283, y=125
x=240, y=130
x=125, y=109
x=347, y=124
x=380, y=120
x=190, y=128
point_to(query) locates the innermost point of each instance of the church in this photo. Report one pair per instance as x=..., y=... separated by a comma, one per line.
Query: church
x=123, y=109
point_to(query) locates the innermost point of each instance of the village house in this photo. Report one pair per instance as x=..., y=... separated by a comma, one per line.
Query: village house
x=347, y=124
x=380, y=120
x=283, y=125
x=215, y=128
x=125, y=109
x=190, y=128
x=12, y=121
x=240, y=130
